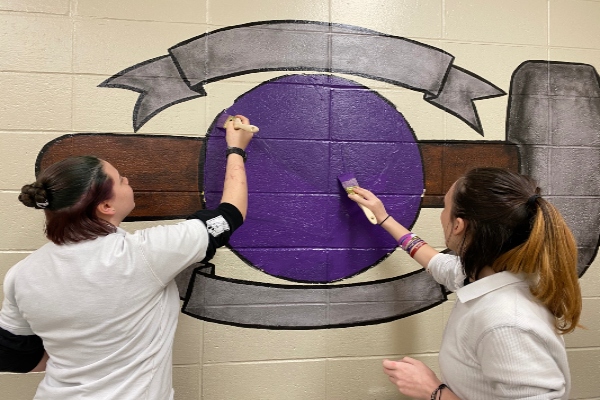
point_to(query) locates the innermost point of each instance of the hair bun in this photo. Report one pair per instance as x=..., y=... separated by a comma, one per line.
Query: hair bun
x=34, y=195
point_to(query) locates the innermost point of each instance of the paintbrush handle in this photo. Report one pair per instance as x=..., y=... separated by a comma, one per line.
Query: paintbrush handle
x=369, y=214
x=237, y=124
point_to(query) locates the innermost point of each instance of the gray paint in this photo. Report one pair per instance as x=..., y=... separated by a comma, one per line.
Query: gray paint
x=251, y=304
x=307, y=46
x=554, y=116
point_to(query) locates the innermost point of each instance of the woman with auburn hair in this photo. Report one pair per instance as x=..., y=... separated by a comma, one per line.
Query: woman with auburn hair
x=97, y=307
x=515, y=276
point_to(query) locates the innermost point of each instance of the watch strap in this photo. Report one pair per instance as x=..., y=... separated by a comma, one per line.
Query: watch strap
x=237, y=150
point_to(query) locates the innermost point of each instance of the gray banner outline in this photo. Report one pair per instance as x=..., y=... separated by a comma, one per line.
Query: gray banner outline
x=213, y=298
x=302, y=46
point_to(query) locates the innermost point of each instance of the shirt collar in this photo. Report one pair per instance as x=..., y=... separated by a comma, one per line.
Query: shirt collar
x=488, y=284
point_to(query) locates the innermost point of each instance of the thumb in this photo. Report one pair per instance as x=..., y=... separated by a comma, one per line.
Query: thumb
x=389, y=364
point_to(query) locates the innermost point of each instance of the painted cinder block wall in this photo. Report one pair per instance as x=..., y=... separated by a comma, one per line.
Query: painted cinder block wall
x=54, y=55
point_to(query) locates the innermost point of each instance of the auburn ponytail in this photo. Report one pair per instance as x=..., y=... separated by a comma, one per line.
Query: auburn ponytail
x=550, y=256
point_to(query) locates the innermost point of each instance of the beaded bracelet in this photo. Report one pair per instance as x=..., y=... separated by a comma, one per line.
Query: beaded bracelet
x=436, y=391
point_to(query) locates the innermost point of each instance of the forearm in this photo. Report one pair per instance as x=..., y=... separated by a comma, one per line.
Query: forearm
x=235, y=187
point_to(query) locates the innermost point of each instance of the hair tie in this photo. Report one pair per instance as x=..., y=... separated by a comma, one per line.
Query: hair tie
x=42, y=205
x=532, y=200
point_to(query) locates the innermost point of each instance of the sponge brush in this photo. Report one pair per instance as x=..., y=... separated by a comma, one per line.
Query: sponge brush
x=349, y=182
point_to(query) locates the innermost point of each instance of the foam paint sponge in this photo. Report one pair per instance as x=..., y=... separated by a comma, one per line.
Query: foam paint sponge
x=349, y=182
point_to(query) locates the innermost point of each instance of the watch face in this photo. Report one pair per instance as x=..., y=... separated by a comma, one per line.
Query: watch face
x=302, y=226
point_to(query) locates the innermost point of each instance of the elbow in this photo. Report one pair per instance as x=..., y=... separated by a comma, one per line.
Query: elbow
x=41, y=366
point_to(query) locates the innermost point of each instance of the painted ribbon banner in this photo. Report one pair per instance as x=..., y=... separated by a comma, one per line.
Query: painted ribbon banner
x=213, y=298
x=302, y=46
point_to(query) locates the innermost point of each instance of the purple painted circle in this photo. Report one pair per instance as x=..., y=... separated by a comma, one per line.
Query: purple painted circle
x=301, y=226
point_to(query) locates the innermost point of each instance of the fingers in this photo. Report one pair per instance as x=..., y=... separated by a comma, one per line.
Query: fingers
x=411, y=361
x=363, y=192
x=243, y=119
x=238, y=137
x=389, y=364
x=361, y=196
x=397, y=365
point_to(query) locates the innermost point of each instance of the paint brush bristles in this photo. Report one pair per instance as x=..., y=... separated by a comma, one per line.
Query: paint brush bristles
x=349, y=182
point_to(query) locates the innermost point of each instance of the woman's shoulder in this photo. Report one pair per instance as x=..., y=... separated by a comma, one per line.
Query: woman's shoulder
x=32, y=258
x=512, y=306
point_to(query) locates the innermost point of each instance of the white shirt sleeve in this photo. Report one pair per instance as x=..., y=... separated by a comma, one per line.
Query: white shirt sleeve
x=447, y=270
x=10, y=316
x=519, y=366
x=169, y=249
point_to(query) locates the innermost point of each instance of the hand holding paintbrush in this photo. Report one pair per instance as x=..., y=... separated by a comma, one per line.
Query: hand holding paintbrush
x=367, y=200
x=238, y=137
x=350, y=184
x=239, y=124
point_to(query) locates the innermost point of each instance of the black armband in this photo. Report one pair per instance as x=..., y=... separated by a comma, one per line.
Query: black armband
x=220, y=224
x=19, y=353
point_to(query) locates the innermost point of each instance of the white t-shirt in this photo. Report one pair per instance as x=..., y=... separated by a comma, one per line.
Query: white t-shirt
x=106, y=310
x=500, y=342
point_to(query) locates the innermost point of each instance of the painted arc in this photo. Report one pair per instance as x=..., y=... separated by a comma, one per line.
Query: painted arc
x=301, y=226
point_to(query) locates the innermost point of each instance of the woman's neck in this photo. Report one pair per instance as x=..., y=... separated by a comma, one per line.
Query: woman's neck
x=485, y=271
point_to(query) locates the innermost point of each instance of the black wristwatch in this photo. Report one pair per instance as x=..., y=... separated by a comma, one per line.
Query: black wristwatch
x=237, y=150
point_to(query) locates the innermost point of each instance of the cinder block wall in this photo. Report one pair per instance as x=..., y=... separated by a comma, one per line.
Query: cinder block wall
x=55, y=53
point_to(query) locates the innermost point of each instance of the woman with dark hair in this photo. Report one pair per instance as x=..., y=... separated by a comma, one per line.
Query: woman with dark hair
x=97, y=307
x=515, y=278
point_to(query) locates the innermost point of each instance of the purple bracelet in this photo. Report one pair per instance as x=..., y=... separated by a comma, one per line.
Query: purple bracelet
x=403, y=238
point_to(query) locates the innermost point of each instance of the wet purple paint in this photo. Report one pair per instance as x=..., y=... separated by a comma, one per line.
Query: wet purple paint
x=301, y=226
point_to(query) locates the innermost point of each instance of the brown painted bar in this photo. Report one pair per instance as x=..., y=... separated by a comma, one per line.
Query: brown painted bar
x=167, y=170
x=446, y=161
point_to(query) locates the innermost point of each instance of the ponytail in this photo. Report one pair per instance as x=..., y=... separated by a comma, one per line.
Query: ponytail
x=550, y=254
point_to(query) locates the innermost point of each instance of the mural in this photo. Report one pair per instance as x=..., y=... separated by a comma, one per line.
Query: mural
x=302, y=227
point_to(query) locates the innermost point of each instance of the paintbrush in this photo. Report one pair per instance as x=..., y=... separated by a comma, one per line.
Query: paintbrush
x=349, y=182
x=237, y=123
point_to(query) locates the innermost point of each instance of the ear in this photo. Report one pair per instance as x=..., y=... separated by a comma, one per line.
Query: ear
x=105, y=209
x=458, y=226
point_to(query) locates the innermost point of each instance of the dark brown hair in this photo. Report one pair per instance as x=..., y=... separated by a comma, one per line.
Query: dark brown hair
x=69, y=192
x=510, y=227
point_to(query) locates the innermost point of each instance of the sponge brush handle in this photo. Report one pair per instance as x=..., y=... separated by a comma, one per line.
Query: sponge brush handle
x=237, y=124
x=369, y=214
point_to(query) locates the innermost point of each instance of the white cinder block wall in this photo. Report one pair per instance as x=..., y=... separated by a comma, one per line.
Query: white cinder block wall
x=53, y=54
